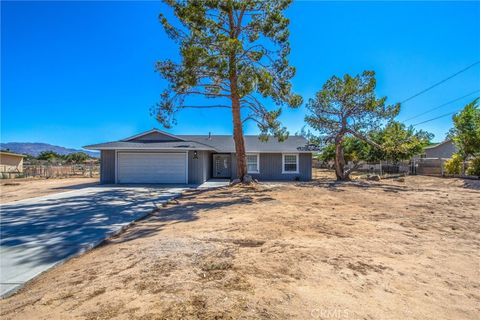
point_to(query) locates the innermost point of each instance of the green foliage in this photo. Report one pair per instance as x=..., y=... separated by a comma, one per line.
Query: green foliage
x=50, y=156
x=233, y=50
x=77, y=157
x=466, y=131
x=454, y=165
x=348, y=106
x=474, y=167
x=327, y=153
x=398, y=142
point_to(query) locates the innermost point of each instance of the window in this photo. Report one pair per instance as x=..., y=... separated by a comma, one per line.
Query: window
x=252, y=163
x=290, y=163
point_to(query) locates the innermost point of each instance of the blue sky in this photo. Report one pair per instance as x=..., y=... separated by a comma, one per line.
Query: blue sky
x=76, y=73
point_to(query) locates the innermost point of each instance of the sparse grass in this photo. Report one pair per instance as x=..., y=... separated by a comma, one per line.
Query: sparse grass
x=388, y=249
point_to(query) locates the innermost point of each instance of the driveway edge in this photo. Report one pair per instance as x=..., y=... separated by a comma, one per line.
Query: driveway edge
x=87, y=248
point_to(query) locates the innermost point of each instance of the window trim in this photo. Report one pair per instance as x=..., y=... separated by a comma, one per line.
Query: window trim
x=283, y=163
x=258, y=162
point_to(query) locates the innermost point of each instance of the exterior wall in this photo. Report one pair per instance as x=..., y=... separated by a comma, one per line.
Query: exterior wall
x=208, y=165
x=234, y=166
x=11, y=163
x=271, y=168
x=199, y=170
x=444, y=150
x=107, y=166
x=155, y=136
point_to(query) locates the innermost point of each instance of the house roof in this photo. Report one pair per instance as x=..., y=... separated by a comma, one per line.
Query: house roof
x=225, y=143
x=12, y=154
x=438, y=144
x=154, y=130
x=148, y=145
x=218, y=143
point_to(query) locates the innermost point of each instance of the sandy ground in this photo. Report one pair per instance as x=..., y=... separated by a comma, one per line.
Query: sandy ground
x=17, y=189
x=319, y=250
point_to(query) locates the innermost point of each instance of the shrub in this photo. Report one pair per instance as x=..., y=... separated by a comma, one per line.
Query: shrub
x=474, y=167
x=454, y=165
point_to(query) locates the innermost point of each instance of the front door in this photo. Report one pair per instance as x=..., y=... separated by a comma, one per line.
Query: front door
x=222, y=166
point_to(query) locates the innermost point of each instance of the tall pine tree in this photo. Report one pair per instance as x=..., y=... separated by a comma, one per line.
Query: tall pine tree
x=235, y=51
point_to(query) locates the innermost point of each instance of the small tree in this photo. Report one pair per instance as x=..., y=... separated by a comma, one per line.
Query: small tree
x=50, y=156
x=77, y=157
x=348, y=107
x=454, y=165
x=466, y=131
x=235, y=51
x=398, y=142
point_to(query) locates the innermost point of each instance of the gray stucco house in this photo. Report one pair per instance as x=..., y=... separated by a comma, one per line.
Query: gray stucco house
x=159, y=157
x=442, y=150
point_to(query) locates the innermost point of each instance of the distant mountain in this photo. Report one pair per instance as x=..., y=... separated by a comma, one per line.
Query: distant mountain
x=35, y=148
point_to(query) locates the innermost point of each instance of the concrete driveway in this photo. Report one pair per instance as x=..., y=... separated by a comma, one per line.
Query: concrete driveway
x=41, y=232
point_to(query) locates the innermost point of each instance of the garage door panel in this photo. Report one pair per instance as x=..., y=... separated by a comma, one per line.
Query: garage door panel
x=151, y=167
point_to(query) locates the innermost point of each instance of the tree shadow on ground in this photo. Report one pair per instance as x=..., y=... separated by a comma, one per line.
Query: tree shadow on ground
x=338, y=186
x=49, y=230
x=188, y=210
x=471, y=184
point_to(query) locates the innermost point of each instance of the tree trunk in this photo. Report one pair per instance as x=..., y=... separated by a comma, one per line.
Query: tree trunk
x=237, y=122
x=340, y=161
x=236, y=112
x=238, y=138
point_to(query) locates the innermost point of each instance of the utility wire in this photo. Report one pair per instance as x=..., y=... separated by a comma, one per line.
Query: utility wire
x=443, y=115
x=442, y=105
x=440, y=82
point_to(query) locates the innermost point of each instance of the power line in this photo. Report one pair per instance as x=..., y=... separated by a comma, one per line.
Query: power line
x=443, y=115
x=440, y=82
x=442, y=105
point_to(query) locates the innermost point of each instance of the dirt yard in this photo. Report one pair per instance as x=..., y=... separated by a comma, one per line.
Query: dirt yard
x=318, y=250
x=17, y=189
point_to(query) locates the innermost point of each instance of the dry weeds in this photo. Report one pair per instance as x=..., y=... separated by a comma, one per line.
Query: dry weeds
x=319, y=250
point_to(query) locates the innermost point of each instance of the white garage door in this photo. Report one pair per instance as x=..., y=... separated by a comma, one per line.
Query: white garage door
x=151, y=167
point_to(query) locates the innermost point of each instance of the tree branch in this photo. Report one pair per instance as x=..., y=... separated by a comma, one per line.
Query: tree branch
x=363, y=138
x=205, y=107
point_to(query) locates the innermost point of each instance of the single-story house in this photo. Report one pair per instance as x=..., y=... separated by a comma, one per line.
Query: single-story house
x=444, y=150
x=11, y=162
x=159, y=157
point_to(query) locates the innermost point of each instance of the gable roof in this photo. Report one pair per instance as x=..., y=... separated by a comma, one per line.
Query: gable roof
x=151, y=132
x=217, y=143
x=134, y=145
x=438, y=144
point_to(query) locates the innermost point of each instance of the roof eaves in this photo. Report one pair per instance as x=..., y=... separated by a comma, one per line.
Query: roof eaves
x=438, y=144
x=13, y=154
